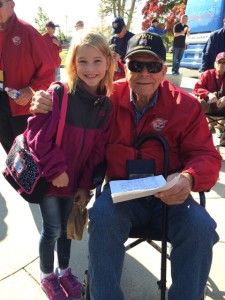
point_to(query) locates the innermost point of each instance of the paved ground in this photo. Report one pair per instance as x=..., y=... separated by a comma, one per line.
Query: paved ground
x=19, y=234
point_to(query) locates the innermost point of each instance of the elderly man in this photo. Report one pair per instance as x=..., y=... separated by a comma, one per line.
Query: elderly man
x=146, y=103
x=210, y=90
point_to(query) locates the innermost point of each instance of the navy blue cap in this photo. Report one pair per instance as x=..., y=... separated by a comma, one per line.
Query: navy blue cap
x=51, y=24
x=148, y=43
x=117, y=25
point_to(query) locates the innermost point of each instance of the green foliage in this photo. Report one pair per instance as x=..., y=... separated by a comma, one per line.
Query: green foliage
x=41, y=19
x=124, y=9
x=63, y=56
x=62, y=37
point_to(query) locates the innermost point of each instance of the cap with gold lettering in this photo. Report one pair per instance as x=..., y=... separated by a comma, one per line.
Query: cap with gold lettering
x=148, y=43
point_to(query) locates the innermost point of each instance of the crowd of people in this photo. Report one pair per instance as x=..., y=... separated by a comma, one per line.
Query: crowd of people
x=104, y=118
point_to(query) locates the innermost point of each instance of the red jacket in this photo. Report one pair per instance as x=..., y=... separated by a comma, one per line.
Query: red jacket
x=179, y=118
x=54, y=49
x=206, y=84
x=25, y=61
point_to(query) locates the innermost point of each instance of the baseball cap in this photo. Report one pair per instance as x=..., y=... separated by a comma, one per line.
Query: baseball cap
x=155, y=20
x=148, y=43
x=220, y=56
x=51, y=24
x=117, y=25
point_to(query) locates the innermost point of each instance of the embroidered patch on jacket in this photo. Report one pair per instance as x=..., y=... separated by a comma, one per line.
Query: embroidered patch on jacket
x=16, y=40
x=158, y=124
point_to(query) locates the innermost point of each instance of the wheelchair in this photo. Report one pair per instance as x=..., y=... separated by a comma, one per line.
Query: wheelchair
x=144, y=234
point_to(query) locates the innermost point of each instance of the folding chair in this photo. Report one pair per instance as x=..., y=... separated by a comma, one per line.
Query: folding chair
x=216, y=119
x=144, y=234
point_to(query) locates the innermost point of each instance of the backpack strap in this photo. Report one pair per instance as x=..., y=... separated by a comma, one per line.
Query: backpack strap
x=62, y=117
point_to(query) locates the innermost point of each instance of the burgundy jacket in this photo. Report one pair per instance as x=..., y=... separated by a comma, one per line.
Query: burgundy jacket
x=87, y=130
x=206, y=84
x=25, y=60
x=53, y=48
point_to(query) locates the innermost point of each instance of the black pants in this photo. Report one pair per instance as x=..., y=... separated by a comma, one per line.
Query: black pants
x=10, y=126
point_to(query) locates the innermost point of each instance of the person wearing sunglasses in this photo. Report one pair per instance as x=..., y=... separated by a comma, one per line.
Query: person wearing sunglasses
x=144, y=103
x=25, y=65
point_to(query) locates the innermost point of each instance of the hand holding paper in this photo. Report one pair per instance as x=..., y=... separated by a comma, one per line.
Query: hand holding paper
x=123, y=190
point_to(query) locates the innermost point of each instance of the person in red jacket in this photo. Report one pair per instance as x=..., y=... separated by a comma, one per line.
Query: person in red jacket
x=53, y=45
x=119, y=66
x=145, y=103
x=210, y=90
x=25, y=65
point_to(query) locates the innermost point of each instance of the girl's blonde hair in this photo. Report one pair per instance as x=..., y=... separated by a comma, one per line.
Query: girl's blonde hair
x=98, y=41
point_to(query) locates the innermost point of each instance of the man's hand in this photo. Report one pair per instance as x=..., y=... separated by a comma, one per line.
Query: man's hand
x=179, y=192
x=24, y=97
x=61, y=181
x=221, y=102
x=212, y=98
x=41, y=103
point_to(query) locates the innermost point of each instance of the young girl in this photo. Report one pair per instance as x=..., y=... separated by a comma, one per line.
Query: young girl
x=68, y=169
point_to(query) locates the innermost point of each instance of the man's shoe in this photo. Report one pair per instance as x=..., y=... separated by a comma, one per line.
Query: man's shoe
x=70, y=283
x=53, y=289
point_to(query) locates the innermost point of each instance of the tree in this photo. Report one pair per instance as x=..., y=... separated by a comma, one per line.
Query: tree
x=41, y=20
x=168, y=11
x=124, y=9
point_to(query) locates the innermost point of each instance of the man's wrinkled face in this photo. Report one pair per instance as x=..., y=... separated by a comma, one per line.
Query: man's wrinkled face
x=220, y=66
x=142, y=82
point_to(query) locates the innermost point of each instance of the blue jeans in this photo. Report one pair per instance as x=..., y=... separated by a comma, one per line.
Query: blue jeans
x=55, y=213
x=177, y=56
x=190, y=229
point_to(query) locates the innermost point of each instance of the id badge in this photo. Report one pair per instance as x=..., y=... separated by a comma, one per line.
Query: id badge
x=140, y=168
x=1, y=80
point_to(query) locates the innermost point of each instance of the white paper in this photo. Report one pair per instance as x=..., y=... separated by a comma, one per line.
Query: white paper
x=123, y=190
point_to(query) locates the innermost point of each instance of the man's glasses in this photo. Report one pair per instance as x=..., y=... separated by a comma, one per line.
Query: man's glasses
x=221, y=62
x=1, y=3
x=152, y=67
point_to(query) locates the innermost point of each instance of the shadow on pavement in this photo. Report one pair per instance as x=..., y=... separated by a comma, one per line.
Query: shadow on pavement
x=3, y=214
x=213, y=291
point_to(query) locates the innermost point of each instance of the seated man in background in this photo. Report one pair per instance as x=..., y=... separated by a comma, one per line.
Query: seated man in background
x=146, y=103
x=210, y=90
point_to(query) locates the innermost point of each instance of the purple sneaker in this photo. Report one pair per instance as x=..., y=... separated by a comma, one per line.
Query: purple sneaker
x=53, y=289
x=70, y=283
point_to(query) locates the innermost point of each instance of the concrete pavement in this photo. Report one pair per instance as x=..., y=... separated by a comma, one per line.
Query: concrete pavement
x=20, y=225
